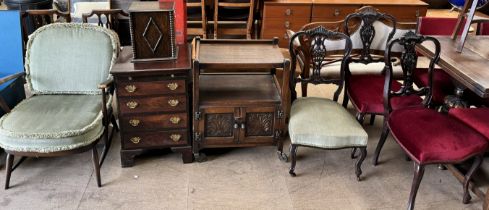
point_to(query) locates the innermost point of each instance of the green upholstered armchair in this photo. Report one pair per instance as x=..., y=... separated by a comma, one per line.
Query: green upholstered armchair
x=320, y=122
x=67, y=71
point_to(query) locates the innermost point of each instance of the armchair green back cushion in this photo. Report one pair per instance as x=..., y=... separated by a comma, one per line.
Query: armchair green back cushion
x=69, y=58
x=65, y=63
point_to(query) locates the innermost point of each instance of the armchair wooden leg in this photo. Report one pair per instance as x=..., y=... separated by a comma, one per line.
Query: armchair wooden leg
x=383, y=137
x=293, y=155
x=372, y=119
x=358, y=165
x=114, y=123
x=96, y=166
x=9, y=166
x=477, y=163
x=304, y=89
x=418, y=175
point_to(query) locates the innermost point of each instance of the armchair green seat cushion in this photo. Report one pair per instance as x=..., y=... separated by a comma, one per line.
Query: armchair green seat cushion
x=320, y=122
x=52, y=123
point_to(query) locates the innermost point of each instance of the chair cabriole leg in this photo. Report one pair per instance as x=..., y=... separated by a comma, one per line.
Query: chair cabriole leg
x=418, y=175
x=293, y=154
x=358, y=165
x=383, y=137
x=477, y=163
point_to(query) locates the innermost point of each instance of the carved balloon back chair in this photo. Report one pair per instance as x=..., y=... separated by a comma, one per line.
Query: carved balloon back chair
x=319, y=122
x=413, y=127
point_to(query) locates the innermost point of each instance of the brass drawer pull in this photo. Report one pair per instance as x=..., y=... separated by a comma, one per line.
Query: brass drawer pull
x=175, y=120
x=135, y=140
x=132, y=104
x=172, y=86
x=288, y=12
x=134, y=122
x=130, y=88
x=173, y=102
x=175, y=137
x=336, y=12
x=287, y=24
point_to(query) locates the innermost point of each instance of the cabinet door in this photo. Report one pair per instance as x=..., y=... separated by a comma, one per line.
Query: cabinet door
x=260, y=124
x=218, y=126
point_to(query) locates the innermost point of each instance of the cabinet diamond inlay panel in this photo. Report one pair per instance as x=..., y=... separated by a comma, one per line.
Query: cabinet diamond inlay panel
x=150, y=32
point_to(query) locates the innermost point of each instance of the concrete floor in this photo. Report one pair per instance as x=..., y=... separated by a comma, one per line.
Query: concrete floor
x=246, y=178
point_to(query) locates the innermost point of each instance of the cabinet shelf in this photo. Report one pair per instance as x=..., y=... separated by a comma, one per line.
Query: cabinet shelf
x=238, y=90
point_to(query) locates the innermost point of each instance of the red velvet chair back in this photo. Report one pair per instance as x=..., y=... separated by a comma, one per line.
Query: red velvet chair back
x=437, y=26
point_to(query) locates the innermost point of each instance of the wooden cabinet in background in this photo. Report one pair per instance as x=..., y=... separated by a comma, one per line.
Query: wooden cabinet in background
x=154, y=104
x=281, y=15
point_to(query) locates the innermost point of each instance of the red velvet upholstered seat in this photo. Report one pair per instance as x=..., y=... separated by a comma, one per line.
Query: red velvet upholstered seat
x=366, y=94
x=428, y=136
x=474, y=118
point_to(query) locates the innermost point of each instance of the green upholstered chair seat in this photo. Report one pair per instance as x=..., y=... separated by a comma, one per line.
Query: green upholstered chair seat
x=323, y=123
x=52, y=123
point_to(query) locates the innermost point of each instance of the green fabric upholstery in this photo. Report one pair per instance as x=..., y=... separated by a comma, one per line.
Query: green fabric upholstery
x=51, y=123
x=69, y=58
x=323, y=123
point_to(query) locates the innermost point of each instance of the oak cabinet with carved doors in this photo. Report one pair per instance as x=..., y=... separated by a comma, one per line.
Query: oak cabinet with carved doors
x=237, y=100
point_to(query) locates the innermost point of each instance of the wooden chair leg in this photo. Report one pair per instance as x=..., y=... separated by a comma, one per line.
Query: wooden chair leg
x=304, y=89
x=358, y=165
x=9, y=166
x=360, y=117
x=372, y=119
x=383, y=137
x=96, y=166
x=353, y=154
x=293, y=156
x=345, y=99
x=114, y=123
x=468, y=176
x=418, y=175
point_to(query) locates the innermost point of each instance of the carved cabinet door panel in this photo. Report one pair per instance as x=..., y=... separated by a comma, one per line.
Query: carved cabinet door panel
x=259, y=125
x=218, y=126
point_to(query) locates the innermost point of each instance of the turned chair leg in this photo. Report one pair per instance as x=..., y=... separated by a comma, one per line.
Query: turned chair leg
x=418, y=175
x=358, y=165
x=9, y=166
x=96, y=166
x=468, y=176
x=372, y=119
x=293, y=159
x=383, y=137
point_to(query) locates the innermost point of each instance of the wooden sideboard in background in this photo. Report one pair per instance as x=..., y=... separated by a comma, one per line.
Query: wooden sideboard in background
x=281, y=15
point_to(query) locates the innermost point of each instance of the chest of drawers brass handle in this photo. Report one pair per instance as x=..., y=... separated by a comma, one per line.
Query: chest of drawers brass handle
x=172, y=86
x=173, y=102
x=175, y=120
x=132, y=104
x=287, y=24
x=175, y=137
x=135, y=140
x=288, y=12
x=134, y=122
x=130, y=88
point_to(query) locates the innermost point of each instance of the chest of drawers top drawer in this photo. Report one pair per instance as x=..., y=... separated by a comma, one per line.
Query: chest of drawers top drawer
x=333, y=12
x=283, y=11
x=154, y=139
x=141, y=88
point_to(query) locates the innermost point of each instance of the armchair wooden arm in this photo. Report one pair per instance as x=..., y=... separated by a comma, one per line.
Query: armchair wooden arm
x=11, y=77
x=106, y=84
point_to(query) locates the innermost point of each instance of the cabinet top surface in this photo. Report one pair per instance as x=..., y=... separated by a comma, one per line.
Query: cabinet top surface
x=124, y=64
x=356, y=2
x=239, y=53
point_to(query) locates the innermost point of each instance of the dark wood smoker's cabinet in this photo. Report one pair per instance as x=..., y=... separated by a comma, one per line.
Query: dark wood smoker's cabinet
x=237, y=100
x=153, y=102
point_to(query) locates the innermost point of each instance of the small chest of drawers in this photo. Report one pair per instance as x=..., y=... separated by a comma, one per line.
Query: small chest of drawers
x=153, y=104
